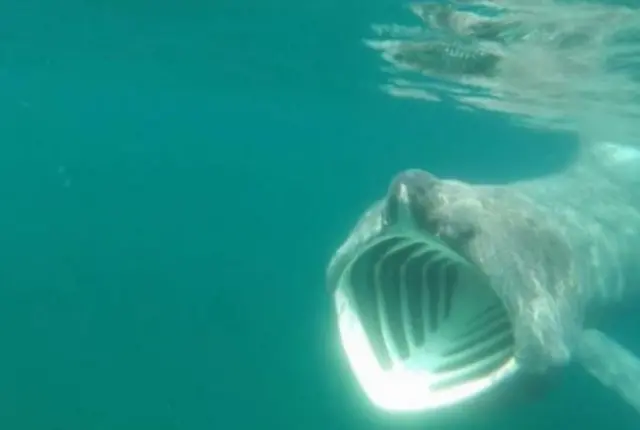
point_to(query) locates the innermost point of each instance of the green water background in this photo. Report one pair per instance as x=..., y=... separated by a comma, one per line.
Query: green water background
x=173, y=180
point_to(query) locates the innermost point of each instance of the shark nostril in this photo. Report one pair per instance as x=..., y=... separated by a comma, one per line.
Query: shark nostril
x=410, y=198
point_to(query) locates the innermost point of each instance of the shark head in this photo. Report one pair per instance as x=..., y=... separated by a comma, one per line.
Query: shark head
x=422, y=324
x=446, y=291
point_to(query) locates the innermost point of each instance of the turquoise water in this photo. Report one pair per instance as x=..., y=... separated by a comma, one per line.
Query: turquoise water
x=175, y=177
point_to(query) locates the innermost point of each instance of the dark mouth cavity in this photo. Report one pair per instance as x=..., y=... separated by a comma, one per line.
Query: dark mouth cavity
x=406, y=292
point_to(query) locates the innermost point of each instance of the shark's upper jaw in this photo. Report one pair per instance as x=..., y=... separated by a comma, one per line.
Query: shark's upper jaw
x=420, y=325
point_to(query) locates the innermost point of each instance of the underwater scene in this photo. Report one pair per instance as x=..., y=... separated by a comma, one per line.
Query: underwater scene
x=320, y=215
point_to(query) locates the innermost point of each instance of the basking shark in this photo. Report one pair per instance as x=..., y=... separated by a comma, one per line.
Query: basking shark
x=446, y=290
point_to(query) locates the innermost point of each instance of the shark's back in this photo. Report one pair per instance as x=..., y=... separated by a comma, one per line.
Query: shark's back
x=595, y=207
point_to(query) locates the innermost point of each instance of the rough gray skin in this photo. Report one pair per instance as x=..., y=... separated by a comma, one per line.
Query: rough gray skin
x=557, y=249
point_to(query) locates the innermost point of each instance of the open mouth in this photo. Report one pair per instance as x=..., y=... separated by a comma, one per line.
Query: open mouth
x=421, y=326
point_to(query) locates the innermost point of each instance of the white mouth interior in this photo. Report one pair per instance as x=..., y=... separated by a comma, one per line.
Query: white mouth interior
x=421, y=327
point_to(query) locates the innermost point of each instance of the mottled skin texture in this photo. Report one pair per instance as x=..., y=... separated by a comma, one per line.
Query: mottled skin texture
x=556, y=249
x=518, y=246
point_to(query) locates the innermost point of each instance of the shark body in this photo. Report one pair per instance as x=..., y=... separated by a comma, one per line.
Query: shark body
x=446, y=290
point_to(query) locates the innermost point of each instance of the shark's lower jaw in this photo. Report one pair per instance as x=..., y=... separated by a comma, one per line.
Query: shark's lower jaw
x=421, y=327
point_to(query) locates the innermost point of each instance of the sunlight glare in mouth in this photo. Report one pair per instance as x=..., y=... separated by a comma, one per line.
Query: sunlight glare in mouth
x=467, y=345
